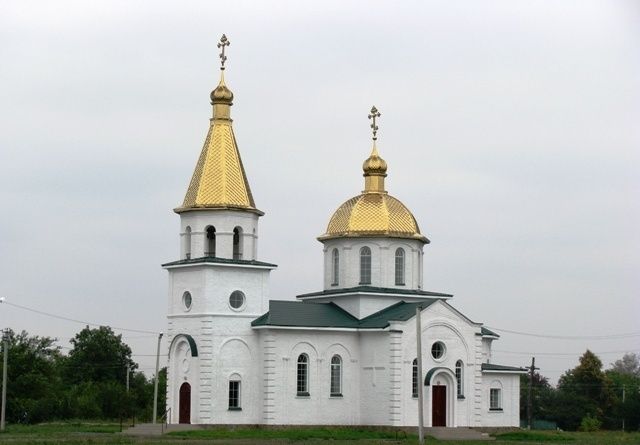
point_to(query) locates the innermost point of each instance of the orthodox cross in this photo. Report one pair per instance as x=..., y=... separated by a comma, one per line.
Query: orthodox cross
x=374, y=113
x=373, y=367
x=223, y=43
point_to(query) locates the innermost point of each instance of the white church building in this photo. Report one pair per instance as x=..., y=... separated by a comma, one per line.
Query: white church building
x=345, y=355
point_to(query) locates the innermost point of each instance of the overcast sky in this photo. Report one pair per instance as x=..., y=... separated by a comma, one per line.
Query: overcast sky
x=511, y=130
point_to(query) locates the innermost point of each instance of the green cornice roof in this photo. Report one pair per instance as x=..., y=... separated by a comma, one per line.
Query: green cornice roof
x=216, y=260
x=330, y=315
x=375, y=290
x=501, y=368
x=485, y=331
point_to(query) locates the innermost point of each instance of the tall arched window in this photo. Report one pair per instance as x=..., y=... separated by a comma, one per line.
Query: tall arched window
x=459, y=378
x=399, y=266
x=211, y=241
x=237, y=243
x=335, y=267
x=365, y=265
x=302, y=377
x=336, y=376
x=414, y=378
x=187, y=242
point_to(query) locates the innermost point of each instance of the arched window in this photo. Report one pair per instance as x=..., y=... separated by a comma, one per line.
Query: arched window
x=336, y=376
x=335, y=267
x=459, y=378
x=234, y=393
x=187, y=242
x=302, y=377
x=211, y=241
x=414, y=378
x=237, y=243
x=365, y=265
x=399, y=266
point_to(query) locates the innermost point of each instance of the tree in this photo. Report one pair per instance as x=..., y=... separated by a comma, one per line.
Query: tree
x=34, y=386
x=628, y=364
x=96, y=371
x=98, y=355
x=584, y=391
x=542, y=395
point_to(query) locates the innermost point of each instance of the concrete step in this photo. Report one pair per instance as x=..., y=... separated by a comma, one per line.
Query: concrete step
x=459, y=433
x=144, y=429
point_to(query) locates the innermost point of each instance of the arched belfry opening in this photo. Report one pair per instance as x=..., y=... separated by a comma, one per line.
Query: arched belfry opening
x=210, y=244
x=187, y=243
x=237, y=243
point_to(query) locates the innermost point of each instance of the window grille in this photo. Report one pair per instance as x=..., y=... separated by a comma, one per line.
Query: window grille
x=399, y=267
x=459, y=379
x=303, y=375
x=234, y=394
x=414, y=378
x=365, y=265
x=335, y=267
x=336, y=376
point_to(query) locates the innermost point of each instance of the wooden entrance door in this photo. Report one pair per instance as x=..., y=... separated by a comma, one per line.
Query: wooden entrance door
x=185, y=403
x=439, y=405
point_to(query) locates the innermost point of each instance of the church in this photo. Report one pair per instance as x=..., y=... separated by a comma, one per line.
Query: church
x=344, y=355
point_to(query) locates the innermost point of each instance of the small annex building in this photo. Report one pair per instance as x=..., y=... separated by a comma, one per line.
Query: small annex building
x=345, y=355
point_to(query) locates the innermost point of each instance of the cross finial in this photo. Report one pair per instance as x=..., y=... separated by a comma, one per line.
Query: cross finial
x=223, y=43
x=374, y=114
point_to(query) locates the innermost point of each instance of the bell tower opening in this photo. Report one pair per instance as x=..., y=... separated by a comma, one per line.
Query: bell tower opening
x=211, y=241
x=237, y=243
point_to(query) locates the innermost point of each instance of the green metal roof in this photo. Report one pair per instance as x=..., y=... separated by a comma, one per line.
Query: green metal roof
x=503, y=368
x=375, y=290
x=330, y=315
x=485, y=331
x=216, y=260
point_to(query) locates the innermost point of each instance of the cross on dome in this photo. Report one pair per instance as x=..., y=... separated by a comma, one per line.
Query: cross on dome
x=374, y=113
x=224, y=42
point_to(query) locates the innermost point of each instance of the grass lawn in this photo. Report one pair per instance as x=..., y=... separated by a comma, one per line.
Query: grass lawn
x=76, y=433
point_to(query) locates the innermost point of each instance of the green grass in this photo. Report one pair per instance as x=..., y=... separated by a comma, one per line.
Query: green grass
x=100, y=433
x=294, y=434
x=61, y=428
x=533, y=436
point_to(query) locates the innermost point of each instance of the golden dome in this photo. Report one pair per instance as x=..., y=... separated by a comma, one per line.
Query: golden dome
x=374, y=164
x=222, y=94
x=373, y=213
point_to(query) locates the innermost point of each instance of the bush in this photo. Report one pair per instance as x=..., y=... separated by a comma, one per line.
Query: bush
x=590, y=424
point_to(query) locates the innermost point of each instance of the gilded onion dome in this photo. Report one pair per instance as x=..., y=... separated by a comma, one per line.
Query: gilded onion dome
x=373, y=213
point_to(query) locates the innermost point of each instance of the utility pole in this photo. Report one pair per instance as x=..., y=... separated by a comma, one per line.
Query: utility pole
x=155, y=385
x=5, y=354
x=128, y=371
x=623, y=407
x=420, y=383
x=529, y=398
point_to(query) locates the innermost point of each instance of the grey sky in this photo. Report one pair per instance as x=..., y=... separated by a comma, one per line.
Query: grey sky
x=510, y=129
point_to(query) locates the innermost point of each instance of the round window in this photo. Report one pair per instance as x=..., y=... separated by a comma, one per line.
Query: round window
x=186, y=300
x=236, y=299
x=437, y=350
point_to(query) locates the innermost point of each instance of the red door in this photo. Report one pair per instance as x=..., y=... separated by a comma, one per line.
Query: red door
x=439, y=405
x=185, y=403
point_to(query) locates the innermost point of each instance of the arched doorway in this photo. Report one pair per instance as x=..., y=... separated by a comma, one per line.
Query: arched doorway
x=185, y=403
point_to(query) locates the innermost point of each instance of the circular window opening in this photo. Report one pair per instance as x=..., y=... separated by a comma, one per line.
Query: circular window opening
x=236, y=299
x=437, y=350
x=187, y=300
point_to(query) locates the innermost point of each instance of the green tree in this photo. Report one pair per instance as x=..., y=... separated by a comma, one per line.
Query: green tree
x=584, y=391
x=34, y=386
x=625, y=377
x=542, y=395
x=98, y=355
x=96, y=371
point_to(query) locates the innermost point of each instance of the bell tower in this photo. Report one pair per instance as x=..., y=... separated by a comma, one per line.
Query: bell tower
x=217, y=286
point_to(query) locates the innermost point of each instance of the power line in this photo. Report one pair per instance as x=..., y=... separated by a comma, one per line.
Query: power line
x=570, y=337
x=60, y=317
x=562, y=354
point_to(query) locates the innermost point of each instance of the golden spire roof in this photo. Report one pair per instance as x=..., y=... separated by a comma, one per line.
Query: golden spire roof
x=373, y=213
x=219, y=180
